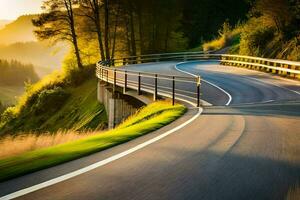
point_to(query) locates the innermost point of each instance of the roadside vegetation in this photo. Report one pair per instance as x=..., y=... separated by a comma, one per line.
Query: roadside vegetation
x=147, y=119
x=60, y=101
x=271, y=31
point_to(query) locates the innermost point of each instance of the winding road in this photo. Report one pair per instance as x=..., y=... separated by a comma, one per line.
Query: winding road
x=248, y=149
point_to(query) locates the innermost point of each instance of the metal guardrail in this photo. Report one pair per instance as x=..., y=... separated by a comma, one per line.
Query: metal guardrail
x=281, y=67
x=132, y=79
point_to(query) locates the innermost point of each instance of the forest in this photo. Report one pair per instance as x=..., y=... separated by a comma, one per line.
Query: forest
x=16, y=73
x=103, y=29
x=100, y=29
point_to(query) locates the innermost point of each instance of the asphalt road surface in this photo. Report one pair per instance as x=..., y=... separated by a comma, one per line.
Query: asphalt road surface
x=247, y=150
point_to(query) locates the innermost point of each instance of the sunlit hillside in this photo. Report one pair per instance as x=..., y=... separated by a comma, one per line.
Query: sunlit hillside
x=19, y=30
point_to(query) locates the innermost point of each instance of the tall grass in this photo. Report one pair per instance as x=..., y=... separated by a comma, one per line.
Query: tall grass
x=150, y=118
x=15, y=145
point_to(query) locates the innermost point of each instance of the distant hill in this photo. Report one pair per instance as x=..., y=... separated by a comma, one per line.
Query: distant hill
x=44, y=58
x=20, y=30
x=3, y=22
x=17, y=42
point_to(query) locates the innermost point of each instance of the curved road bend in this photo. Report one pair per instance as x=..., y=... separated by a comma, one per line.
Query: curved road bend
x=249, y=150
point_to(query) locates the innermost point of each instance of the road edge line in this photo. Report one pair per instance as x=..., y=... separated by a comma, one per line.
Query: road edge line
x=100, y=163
x=194, y=75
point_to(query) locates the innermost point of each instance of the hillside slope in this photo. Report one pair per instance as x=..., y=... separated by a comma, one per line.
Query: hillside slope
x=61, y=108
x=45, y=58
x=19, y=30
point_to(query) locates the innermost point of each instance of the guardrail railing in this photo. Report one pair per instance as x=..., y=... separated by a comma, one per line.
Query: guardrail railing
x=174, y=86
x=281, y=67
x=171, y=86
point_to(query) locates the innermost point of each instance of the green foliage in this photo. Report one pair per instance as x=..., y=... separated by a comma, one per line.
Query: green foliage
x=152, y=117
x=203, y=18
x=49, y=101
x=56, y=102
x=227, y=37
x=271, y=31
x=255, y=38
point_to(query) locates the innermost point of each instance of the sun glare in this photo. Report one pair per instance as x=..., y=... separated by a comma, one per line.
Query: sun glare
x=12, y=9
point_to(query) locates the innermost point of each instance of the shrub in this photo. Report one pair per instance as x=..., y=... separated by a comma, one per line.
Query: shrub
x=49, y=100
x=254, y=38
x=227, y=37
x=37, y=93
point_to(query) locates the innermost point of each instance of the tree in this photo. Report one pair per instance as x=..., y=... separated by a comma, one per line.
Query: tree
x=106, y=29
x=91, y=10
x=58, y=23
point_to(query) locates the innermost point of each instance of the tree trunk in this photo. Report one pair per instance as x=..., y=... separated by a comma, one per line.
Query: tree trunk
x=132, y=35
x=127, y=38
x=106, y=29
x=142, y=45
x=115, y=33
x=98, y=28
x=73, y=33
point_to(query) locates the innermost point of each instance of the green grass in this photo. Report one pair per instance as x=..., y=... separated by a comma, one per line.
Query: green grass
x=80, y=110
x=150, y=118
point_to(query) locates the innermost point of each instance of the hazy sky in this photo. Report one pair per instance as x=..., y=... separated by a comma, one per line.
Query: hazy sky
x=11, y=9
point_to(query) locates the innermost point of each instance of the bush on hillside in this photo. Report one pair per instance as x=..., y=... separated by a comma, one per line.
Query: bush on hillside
x=227, y=37
x=255, y=37
x=49, y=101
x=46, y=89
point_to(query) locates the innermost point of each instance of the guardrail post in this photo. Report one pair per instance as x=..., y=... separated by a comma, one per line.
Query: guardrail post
x=139, y=84
x=155, y=88
x=115, y=80
x=198, y=90
x=173, y=91
x=125, y=83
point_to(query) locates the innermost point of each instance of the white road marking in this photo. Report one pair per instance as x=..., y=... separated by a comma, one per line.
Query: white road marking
x=100, y=163
x=214, y=85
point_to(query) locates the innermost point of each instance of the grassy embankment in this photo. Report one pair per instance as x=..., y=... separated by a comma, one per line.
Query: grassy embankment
x=56, y=103
x=149, y=118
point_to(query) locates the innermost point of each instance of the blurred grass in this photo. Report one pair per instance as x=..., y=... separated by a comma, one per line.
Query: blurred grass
x=150, y=118
x=16, y=145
